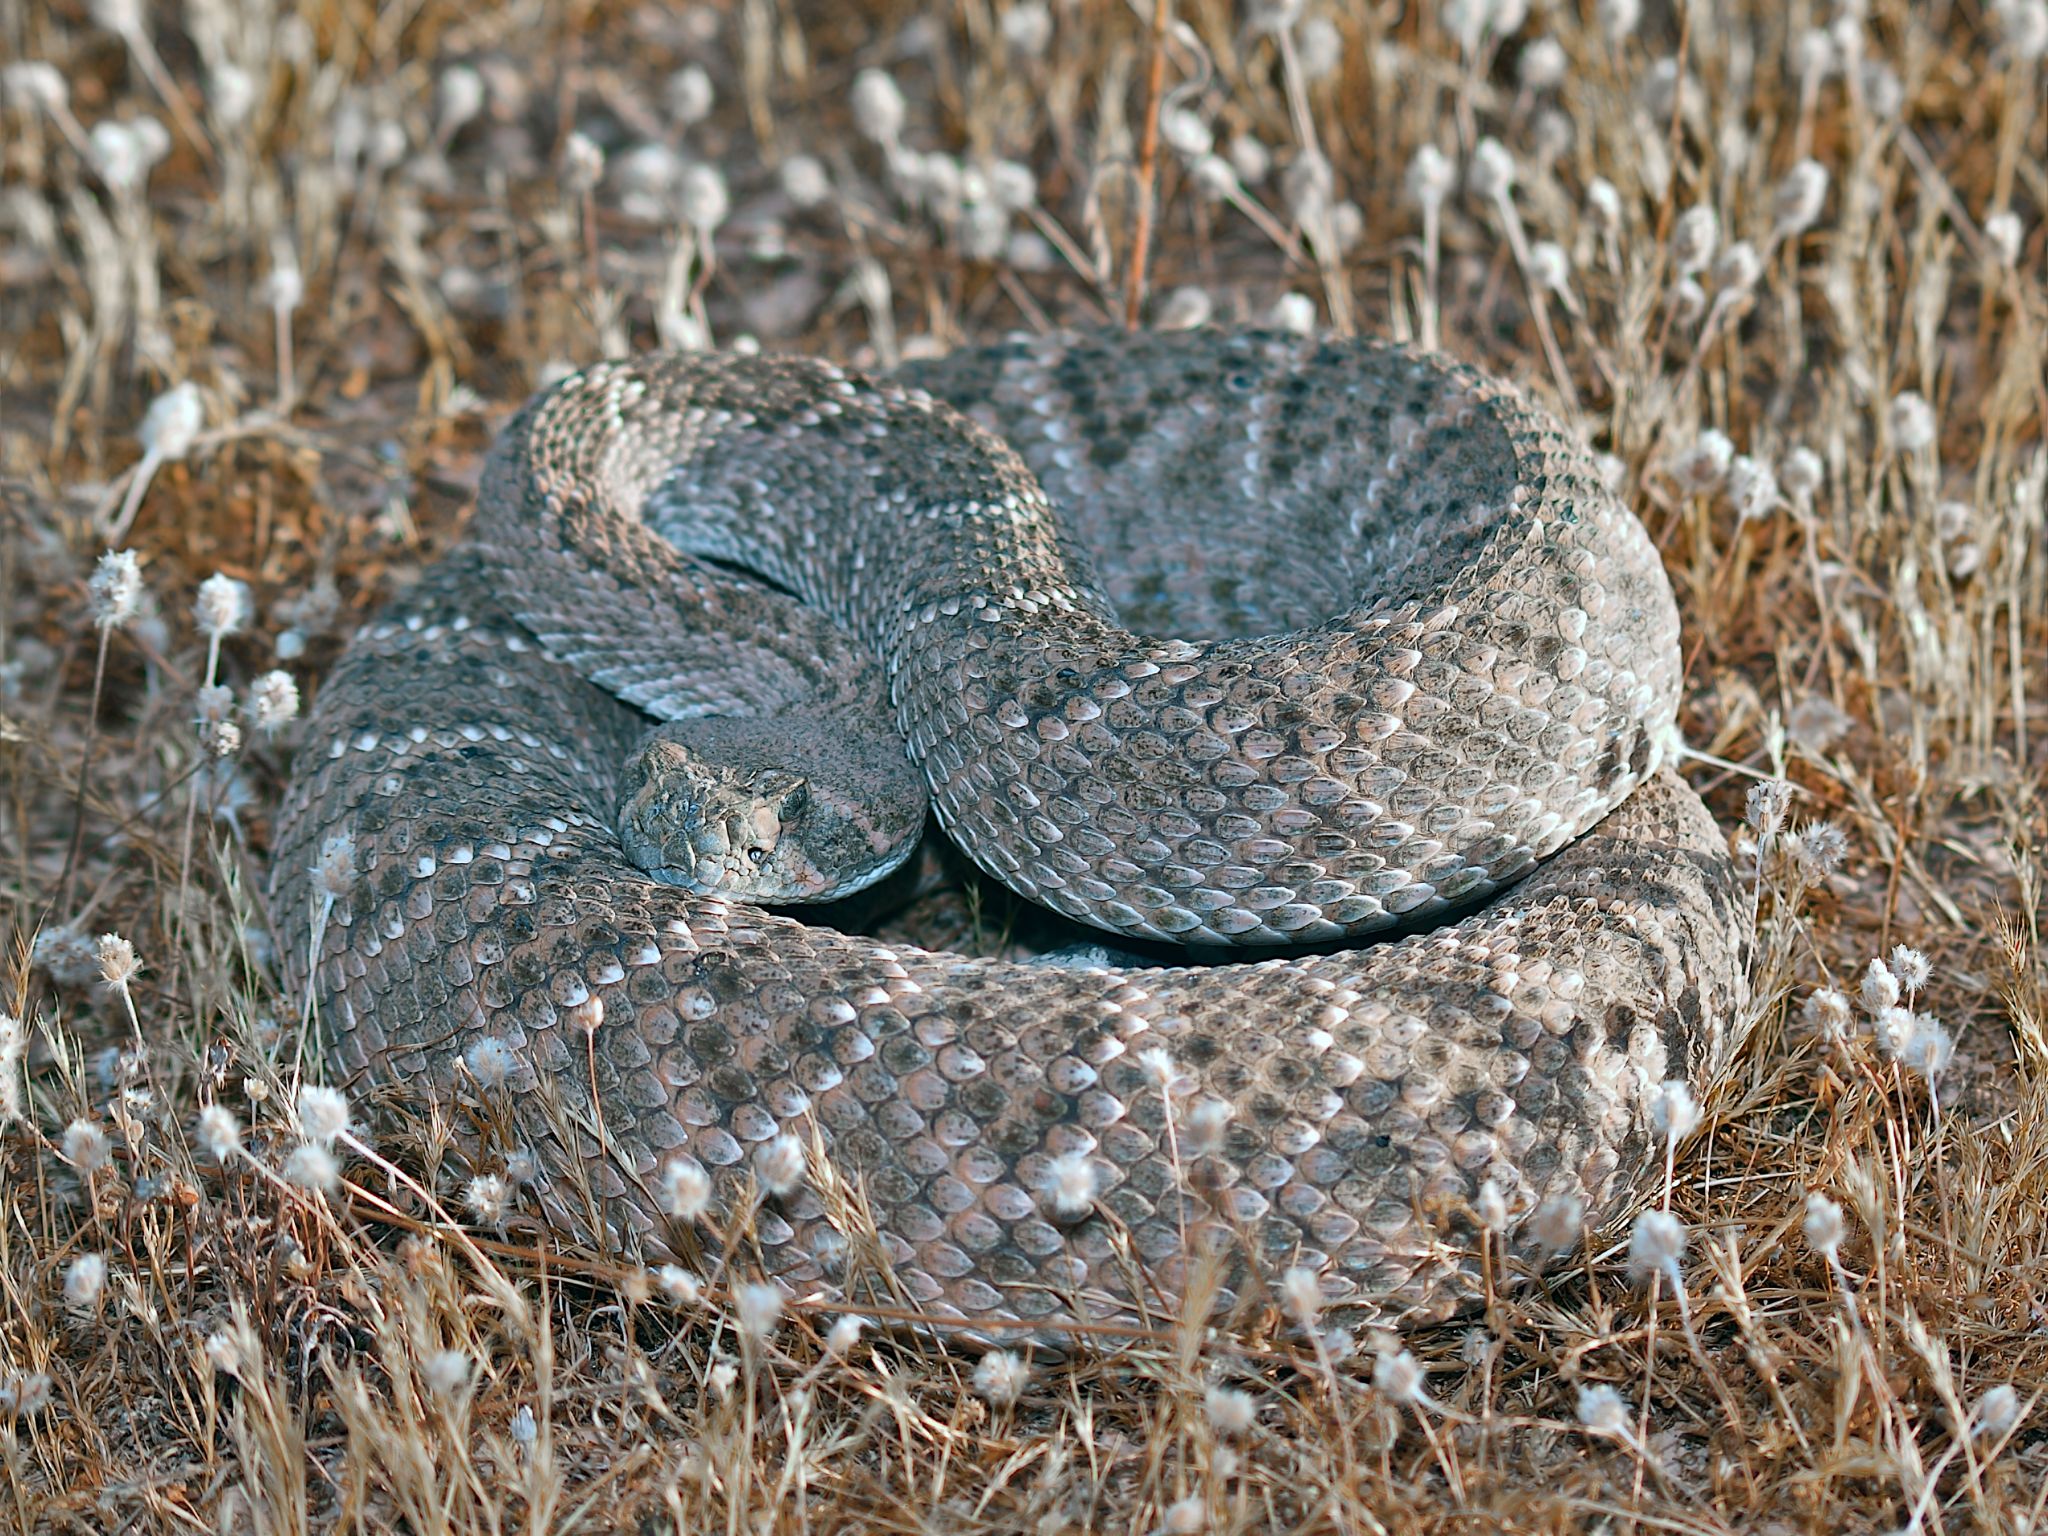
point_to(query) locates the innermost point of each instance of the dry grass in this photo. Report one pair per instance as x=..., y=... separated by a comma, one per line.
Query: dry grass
x=363, y=231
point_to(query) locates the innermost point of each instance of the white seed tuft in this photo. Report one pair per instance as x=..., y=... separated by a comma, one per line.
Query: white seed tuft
x=85, y=1278
x=323, y=1113
x=1001, y=1377
x=1656, y=1246
x=1910, y=420
x=1823, y=1226
x=219, y=1132
x=85, y=1146
x=1070, y=1185
x=757, y=1306
x=1399, y=1377
x=779, y=1164
x=223, y=606
x=115, y=589
x=685, y=1189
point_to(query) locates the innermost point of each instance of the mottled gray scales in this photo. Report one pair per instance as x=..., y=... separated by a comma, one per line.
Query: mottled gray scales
x=1439, y=656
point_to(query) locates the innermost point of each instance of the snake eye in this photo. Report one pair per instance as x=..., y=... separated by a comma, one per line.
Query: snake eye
x=758, y=855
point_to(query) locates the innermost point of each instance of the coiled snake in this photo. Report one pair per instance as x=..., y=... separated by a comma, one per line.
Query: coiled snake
x=1443, y=681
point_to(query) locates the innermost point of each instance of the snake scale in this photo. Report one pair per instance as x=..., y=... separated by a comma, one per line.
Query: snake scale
x=1439, y=694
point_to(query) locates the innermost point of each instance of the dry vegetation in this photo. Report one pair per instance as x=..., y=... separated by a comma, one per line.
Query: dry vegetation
x=272, y=269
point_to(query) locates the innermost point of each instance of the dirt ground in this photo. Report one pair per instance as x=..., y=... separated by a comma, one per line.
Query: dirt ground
x=271, y=273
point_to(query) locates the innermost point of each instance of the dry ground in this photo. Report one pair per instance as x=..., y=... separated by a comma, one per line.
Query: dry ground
x=439, y=206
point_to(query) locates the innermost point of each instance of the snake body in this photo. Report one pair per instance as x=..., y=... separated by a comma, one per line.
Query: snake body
x=1441, y=685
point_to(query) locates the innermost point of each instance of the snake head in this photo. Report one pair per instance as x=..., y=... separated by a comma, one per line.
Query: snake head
x=720, y=807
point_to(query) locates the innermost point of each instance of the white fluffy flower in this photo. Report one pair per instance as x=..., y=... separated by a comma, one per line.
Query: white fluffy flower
x=878, y=107
x=1001, y=1377
x=323, y=1113
x=1070, y=1185
x=1910, y=419
x=1656, y=1246
x=685, y=1189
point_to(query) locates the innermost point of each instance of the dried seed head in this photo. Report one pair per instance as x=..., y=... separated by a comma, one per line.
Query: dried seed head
x=757, y=1306
x=685, y=1189
x=1910, y=421
x=1001, y=1377
x=489, y=1198
x=85, y=1146
x=1674, y=1113
x=1542, y=64
x=458, y=98
x=1549, y=268
x=1752, y=487
x=1399, y=1377
x=1911, y=968
x=1801, y=193
x=1823, y=1226
x=2006, y=235
x=85, y=1279
x=1997, y=1412
x=1693, y=239
x=36, y=83
x=1826, y=1012
x=1737, y=268
x=334, y=874
x=1027, y=28
x=1185, y=1517
x=703, y=199
x=689, y=95
x=117, y=960
x=779, y=1164
x=1308, y=184
x=1928, y=1047
x=1184, y=309
x=1319, y=48
x=843, y=1335
x=1603, y=201
x=1557, y=1223
x=1765, y=805
x=1703, y=466
x=682, y=1286
x=1229, y=1411
x=219, y=1132
x=222, y=607
x=1294, y=313
x=1186, y=133
x=1070, y=1185
x=313, y=1166
x=13, y=1046
x=446, y=1371
x=878, y=107
x=1491, y=1207
x=1491, y=175
x=1892, y=1028
x=1301, y=1292
x=490, y=1061
x=582, y=163
x=1880, y=989
x=1656, y=1246
x=1802, y=474
x=273, y=701
x=1430, y=178
x=1206, y=1124
x=805, y=182
x=115, y=589
x=323, y=1113
x=1604, y=1411
x=1250, y=158
x=2022, y=29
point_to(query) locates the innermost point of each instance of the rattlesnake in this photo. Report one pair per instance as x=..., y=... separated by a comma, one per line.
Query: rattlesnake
x=1447, y=684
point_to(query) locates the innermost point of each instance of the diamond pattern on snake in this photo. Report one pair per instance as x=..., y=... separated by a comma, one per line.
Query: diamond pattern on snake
x=1204, y=641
